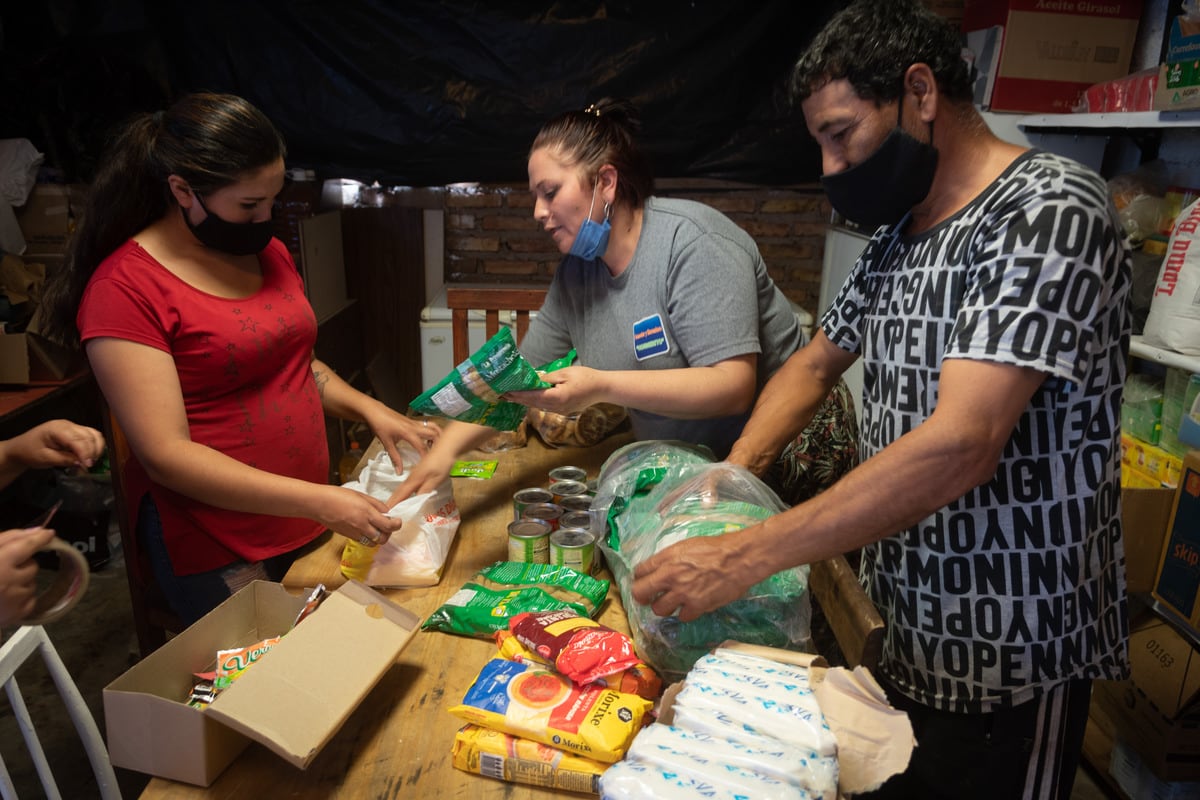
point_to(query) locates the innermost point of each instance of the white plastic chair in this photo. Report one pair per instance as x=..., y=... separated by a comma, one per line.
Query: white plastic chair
x=16, y=651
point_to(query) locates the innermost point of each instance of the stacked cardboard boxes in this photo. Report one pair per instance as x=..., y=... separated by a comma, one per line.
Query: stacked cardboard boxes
x=1179, y=77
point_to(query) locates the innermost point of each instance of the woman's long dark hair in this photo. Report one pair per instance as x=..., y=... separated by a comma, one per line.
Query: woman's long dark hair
x=603, y=133
x=209, y=140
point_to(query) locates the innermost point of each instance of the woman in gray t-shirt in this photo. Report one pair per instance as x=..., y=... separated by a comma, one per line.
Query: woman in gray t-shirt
x=666, y=302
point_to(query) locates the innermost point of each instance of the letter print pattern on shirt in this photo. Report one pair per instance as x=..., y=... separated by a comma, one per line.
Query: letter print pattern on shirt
x=1019, y=584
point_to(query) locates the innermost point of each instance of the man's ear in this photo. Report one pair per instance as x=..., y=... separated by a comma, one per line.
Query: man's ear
x=921, y=84
x=181, y=191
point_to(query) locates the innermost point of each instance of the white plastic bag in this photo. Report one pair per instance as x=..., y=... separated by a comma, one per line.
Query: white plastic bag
x=1174, y=319
x=415, y=554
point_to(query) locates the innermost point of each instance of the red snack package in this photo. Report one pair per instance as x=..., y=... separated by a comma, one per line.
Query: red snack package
x=578, y=647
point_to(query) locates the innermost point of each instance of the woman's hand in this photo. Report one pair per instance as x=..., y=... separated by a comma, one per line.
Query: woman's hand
x=391, y=427
x=353, y=514
x=425, y=476
x=18, y=572
x=575, y=388
x=57, y=443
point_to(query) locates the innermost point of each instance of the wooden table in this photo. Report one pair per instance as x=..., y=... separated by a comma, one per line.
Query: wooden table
x=397, y=743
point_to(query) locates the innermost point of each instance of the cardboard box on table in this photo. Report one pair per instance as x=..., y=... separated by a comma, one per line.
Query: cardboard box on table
x=292, y=700
x=1050, y=53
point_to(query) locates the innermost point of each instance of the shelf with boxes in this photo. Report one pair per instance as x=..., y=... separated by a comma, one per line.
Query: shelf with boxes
x=1142, y=734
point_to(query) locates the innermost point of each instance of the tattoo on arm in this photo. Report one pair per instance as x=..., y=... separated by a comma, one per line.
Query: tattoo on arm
x=321, y=378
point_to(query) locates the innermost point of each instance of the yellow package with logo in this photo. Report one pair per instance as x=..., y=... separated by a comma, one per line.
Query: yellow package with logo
x=510, y=758
x=532, y=702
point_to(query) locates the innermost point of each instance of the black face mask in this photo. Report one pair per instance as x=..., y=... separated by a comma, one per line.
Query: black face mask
x=235, y=238
x=887, y=184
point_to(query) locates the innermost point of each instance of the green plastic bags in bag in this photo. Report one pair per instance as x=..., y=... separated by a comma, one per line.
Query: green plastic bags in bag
x=655, y=493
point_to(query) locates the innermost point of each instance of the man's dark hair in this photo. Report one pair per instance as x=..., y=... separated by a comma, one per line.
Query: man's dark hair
x=871, y=44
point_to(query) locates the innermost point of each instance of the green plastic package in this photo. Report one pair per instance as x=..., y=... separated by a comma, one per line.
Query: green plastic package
x=655, y=493
x=494, y=595
x=472, y=390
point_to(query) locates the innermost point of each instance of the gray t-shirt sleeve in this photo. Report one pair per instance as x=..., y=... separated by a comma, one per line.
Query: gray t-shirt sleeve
x=712, y=300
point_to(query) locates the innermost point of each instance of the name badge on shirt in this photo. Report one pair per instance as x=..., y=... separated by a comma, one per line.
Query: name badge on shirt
x=649, y=338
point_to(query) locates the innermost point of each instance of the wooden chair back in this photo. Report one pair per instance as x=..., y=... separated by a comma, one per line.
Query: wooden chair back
x=491, y=300
x=854, y=619
x=153, y=618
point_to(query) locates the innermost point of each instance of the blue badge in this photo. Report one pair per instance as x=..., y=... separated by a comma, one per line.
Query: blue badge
x=649, y=338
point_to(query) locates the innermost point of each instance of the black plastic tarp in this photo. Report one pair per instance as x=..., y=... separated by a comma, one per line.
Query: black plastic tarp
x=421, y=92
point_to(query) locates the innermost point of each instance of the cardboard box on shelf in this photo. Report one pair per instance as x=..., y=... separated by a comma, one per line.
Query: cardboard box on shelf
x=289, y=700
x=1178, y=86
x=27, y=358
x=1144, y=516
x=1177, y=582
x=1050, y=53
x=48, y=216
x=1183, y=40
x=1150, y=459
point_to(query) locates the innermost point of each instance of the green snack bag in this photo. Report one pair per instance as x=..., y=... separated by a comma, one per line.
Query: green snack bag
x=494, y=595
x=472, y=390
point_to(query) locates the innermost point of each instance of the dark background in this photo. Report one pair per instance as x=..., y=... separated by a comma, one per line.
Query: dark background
x=420, y=92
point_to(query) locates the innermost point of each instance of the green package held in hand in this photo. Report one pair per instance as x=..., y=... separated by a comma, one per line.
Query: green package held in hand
x=472, y=390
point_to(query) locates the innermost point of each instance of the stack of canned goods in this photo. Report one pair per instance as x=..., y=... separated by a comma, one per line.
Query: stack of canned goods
x=553, y=525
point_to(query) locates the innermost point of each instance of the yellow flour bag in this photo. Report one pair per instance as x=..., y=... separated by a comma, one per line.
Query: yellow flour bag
x=531, y=702
x=501, y=755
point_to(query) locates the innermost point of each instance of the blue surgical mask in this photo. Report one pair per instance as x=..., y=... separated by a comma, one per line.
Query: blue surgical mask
x=592, y=238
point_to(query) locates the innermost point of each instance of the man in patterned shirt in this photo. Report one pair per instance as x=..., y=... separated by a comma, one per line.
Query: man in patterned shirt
x=990, y=309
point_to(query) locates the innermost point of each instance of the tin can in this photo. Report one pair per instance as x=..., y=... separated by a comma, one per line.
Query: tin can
x=576, y=502
x=529, y=497
x=575, y=519
x=563, y=489
x=529, y=541
x=568, y=474
x=548, y=513
x=574, y=548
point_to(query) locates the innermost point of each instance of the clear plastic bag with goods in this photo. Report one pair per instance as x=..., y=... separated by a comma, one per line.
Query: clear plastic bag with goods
x=415, y=554
x=656, y=493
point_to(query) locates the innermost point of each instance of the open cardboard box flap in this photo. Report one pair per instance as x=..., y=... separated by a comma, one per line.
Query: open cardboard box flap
x=292, y=701
x=301, y=701
x=875, y=741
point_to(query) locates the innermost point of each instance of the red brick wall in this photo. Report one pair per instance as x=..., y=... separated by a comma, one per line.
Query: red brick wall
x=491, y=235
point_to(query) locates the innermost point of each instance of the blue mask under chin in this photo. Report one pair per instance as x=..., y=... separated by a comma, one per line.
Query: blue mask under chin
x=592, y=239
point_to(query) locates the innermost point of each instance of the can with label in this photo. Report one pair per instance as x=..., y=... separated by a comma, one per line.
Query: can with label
x=575, y=519
x=563, y=489
x=548, y=513
x=576, y=502
x=529, y=541
x=568, y=474
x=574, y=548
x=529, y=497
